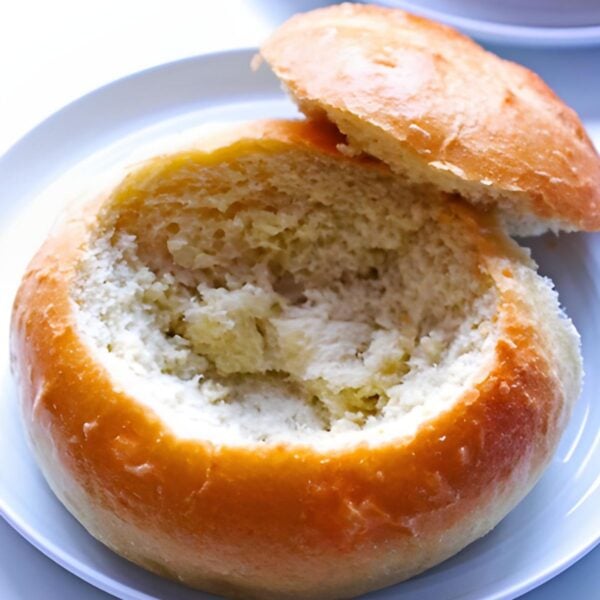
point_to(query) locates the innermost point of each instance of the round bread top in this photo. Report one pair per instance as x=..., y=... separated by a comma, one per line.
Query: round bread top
x=436, y=106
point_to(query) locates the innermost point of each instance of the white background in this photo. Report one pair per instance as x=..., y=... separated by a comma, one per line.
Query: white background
x=52, y=52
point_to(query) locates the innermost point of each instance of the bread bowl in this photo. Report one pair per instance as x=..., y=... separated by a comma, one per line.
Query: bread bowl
x=327, y=482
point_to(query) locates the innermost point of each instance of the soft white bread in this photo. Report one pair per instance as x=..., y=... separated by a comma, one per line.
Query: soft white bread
x=437, y=107
x=270, y=370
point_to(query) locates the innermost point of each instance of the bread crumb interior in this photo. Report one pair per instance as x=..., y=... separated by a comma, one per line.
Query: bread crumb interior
x=285, y=297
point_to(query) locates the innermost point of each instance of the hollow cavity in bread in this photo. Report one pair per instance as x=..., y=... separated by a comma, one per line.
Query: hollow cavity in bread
x=285, y=297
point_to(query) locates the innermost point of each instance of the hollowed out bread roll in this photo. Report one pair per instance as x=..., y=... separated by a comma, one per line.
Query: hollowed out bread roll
x=437, y=107
x=270, y=370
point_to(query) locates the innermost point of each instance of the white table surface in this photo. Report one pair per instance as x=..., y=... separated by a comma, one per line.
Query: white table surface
x=52, y=52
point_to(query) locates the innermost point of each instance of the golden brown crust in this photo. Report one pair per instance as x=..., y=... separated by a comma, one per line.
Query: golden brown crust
x=430, y=99
x=278, y=521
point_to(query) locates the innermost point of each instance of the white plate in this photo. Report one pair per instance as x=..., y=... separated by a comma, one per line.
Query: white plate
x=548, y=23
x=555, y=525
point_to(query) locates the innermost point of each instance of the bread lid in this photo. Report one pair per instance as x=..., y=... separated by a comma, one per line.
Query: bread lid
x=438, y=108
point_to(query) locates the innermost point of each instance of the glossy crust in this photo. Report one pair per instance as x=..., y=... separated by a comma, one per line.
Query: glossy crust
x=433, y=104
x=288, y=521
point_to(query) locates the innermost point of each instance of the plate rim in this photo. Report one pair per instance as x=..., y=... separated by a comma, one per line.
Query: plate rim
x=505, y=33
x=92, y=576
x=141, y=74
